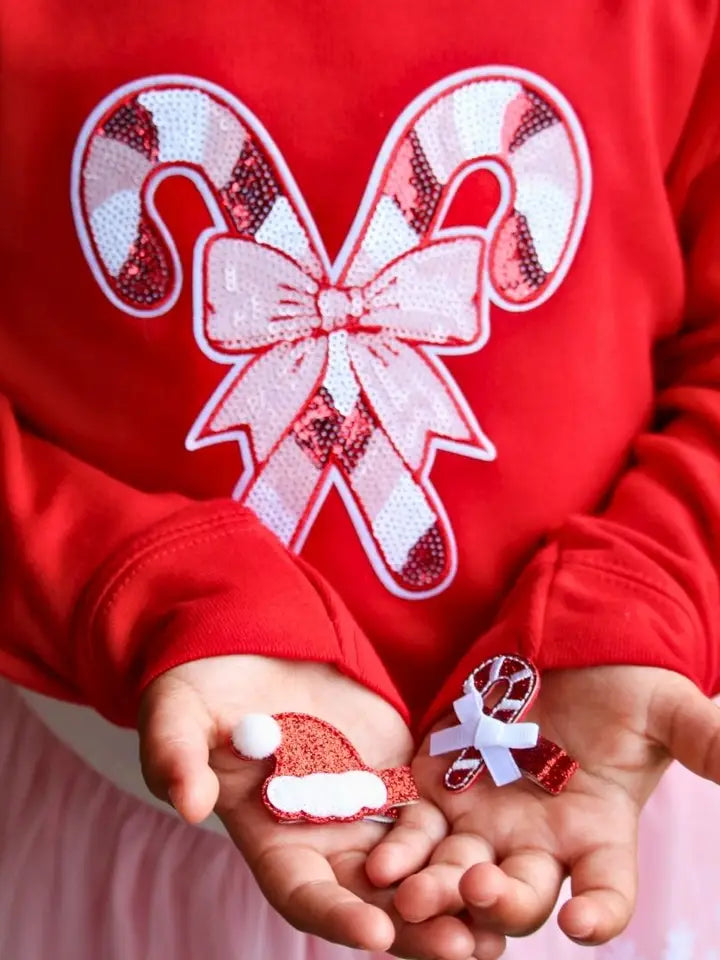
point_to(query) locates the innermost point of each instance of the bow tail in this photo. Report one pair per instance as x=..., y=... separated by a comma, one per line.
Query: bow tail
x=501, y=765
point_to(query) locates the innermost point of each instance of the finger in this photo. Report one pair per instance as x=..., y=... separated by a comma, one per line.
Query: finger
x=516, y=897
x=174, y=751
x=440, y=938
x=689, y=726
x=408, y=846
x=488, y=944
x=435, y=889
x=300, y=883
x=604, y=884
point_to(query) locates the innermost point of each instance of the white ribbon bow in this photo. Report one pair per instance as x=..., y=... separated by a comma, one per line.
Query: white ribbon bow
x=491, y=737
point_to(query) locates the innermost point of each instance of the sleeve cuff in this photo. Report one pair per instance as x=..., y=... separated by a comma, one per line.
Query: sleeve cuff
x=583, y=615
x=212, y=582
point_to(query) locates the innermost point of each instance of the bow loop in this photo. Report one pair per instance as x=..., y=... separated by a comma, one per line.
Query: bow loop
x=258, y=296
x=295, y=327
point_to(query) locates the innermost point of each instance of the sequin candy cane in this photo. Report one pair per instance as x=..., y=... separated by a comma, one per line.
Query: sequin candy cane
x=336, y=374
x=491, y=736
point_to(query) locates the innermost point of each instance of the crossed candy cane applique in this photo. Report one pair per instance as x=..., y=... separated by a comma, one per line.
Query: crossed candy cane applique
x=336, y=375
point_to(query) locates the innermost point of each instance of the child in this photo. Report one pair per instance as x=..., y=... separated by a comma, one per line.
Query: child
x=228, y=362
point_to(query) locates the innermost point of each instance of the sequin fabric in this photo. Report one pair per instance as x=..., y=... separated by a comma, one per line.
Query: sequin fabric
x=427, y=189
x=325, y=434
x=252, y=190
x=132, y=125
x=146, y=275
x=338, y=375
x=537, y=116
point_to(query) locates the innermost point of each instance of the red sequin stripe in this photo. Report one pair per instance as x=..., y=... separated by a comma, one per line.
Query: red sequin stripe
x=526, y=255
x=428, y=188
x=146, y=275
x=427, y=560
x=252, y=189
x=325, y=434
x=132, y=124
x=538, y=116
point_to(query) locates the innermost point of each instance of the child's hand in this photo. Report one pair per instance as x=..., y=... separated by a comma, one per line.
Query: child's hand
x=511, y=847
x=314, y=875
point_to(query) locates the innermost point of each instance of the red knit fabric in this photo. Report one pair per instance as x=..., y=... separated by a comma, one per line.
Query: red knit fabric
x=546, y=215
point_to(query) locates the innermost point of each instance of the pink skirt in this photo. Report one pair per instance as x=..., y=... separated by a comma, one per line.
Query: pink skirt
x=91, y=872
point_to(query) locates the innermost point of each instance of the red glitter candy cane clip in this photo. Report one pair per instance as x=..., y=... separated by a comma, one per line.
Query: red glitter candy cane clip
x=539, y=759
x=319, y=776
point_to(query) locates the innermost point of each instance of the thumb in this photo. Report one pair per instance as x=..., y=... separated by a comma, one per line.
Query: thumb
x=175, y=735
x=689, y=727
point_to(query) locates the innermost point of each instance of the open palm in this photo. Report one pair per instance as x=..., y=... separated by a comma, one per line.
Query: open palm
x=510, y=848
x=314, y=875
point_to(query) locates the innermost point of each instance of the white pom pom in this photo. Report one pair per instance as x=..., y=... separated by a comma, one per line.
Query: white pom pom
x=257, y=736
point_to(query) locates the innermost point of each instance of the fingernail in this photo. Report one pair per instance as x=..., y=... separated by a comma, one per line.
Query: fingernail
x=489, y=900
x=581, y=933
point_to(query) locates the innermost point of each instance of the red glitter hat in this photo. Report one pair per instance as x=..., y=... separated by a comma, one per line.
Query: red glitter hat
x=318, y=774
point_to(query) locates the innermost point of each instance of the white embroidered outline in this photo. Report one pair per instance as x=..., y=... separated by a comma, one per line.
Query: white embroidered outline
x=333, y=477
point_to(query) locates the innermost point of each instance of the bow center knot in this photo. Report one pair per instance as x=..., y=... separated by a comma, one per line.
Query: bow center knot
x=490, y=732
x=340, y=307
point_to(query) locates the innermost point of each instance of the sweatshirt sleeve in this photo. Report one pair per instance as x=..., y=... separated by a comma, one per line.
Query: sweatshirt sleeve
x=638, y=583
x=103, y=587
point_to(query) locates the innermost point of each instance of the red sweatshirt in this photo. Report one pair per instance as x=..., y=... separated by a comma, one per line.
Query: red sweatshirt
x=385, y=334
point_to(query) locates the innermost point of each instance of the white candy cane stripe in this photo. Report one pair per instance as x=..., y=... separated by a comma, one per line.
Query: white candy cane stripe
x=521, y=682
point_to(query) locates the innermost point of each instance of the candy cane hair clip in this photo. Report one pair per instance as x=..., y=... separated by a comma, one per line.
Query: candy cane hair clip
x=318, y=775
x=490, y=736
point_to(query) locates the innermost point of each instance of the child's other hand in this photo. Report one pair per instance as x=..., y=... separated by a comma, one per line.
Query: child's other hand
x=510, y=847
x=314, y=875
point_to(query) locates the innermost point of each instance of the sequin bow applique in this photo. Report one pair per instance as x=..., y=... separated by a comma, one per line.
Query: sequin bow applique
x=318, y=775
x=490, y=736
x=364, y=340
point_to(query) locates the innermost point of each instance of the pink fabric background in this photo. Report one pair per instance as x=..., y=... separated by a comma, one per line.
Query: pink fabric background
x=88, y=872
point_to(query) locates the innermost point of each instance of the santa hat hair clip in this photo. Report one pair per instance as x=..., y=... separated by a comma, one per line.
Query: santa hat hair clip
x=319, y=776
x=495, y=697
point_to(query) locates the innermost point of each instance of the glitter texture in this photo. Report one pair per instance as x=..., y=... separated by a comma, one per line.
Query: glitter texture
x=509, y=685
x=547, y=764
x=311, y=746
